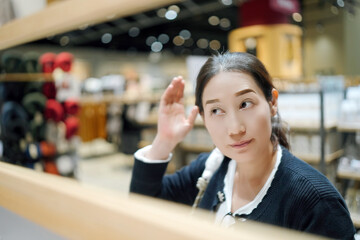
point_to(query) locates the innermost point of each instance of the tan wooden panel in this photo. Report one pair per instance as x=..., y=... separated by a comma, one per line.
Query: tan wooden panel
x=77, y=211
x=68, y=15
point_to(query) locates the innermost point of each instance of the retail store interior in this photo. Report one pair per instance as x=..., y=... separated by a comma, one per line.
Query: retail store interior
x=78, y=101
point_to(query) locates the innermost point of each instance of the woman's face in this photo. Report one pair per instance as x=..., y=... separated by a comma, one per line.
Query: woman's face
x=237, y=116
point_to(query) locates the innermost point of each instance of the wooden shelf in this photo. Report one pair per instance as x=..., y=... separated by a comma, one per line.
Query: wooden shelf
x=349, y=175
x=315, y=159
x=349, y=127
x=65, y=16
x=26, y=77
x=356, y=219
x=310, y=127
x=110, y=98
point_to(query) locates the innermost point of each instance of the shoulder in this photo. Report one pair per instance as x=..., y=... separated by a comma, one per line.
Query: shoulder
x=305, y=181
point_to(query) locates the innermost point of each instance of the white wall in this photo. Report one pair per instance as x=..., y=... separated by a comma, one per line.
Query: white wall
x=352, y=43
x=324, y=51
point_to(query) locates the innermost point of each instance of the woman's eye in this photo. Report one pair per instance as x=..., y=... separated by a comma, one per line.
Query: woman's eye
x=216, y=111
x=245, y=104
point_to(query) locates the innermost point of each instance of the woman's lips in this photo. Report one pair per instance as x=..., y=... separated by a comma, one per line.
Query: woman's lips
x=241, y=144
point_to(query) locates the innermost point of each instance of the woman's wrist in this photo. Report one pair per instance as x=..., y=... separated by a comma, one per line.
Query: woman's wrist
x=160, y=149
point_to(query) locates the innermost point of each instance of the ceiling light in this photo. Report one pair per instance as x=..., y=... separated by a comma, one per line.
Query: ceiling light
x=226, y=2
x=178, y=40
x=170, y=15
x=161, y=12
x=156, y=46
x=134, y=32
x=340, y=3
x=225, y=23
x=64, y=40
x=215, y=44
x=189, y=42
x=174, y=8
x=297, y=17
x=84, y=26
x=202, y=43
x=150, y=40
x=163, y=38
x=250, y=43
x=185, y=34
x=214, y=20
x=106, y=38
x=334, y=10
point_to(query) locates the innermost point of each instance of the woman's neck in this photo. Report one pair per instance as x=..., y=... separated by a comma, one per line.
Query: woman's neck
x=250, y=178
x=259, y=168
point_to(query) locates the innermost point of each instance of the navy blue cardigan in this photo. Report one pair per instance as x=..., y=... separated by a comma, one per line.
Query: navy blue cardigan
x=300, y=197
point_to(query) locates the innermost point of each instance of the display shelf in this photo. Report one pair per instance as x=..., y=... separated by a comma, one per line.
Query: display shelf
x=315, y=159
x=348, y=175
x=26, y=77
x=349, y=127
x=356, y=219
x=65, y=16
x=310, y=126
x=122, y=99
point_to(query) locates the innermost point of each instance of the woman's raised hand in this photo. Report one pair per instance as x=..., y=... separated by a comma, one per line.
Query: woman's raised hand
x=173, y=125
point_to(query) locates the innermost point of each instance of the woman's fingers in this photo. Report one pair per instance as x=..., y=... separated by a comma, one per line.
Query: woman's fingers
x=194, y=112
x=175, y=91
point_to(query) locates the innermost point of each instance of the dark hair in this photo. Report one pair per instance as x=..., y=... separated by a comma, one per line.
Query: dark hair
x=245, y=63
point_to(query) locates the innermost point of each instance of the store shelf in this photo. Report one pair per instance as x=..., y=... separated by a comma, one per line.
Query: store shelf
x=65, y=16
x=26, y=77
x=315, y=159
x=310, y=126
x=124, y=99
x=349, y=127
x=349, y=175
x=356, y=219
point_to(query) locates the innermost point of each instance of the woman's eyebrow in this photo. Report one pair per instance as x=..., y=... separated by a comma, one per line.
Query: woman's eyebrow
x=212, y=101
x=239, y=93
x=244, y=91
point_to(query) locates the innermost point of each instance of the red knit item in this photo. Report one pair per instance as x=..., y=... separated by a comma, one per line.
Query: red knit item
x=64, y=60
x=53, y=110
x=47, y=61
x=72, y=126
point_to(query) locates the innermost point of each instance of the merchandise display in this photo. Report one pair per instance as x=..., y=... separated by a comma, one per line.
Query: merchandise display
x=31, y=114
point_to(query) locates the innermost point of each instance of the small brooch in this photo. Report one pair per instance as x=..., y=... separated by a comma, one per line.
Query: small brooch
x=221, y=196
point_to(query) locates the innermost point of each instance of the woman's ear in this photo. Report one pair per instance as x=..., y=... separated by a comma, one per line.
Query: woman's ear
x=274, y=102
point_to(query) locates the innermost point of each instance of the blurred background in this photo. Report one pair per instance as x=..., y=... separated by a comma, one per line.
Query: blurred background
x=80, y=81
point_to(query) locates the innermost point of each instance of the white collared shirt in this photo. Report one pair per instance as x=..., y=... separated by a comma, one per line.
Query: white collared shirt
x=225, y=207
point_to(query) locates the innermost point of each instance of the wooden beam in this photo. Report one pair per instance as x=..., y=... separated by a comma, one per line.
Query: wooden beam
x=77, y=211
x=65, y=16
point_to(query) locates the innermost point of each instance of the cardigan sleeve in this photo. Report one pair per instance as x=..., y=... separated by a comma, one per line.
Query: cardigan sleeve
x=150, y=179
x=330, y=218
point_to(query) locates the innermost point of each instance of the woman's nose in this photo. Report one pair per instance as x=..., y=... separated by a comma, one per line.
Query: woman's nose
x=235, y=125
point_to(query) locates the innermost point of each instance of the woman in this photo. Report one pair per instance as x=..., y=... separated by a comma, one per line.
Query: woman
x=257, y=178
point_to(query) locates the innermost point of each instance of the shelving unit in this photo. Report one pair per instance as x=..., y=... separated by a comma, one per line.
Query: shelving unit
x=26, y=77
x=351, y=175
x=323, y=160
x=64, y=16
